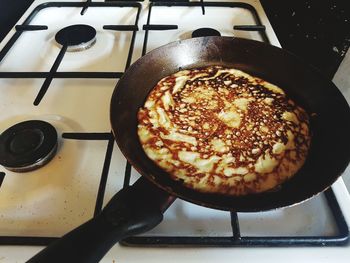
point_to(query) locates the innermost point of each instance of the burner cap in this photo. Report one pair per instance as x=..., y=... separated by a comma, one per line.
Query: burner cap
x=205, y=32
x=76, y=37
x=27, y=146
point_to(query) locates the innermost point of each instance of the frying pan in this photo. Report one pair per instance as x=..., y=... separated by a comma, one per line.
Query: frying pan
x=140, y=207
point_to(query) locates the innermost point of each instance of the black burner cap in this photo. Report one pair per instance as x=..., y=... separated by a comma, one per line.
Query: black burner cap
x=27, y=145
x=205, y=32
x=76, y=37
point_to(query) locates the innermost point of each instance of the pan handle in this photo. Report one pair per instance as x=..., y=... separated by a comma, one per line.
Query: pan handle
x=133, y=210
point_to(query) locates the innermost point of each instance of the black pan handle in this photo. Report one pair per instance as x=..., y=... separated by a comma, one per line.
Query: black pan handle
x=133, y=210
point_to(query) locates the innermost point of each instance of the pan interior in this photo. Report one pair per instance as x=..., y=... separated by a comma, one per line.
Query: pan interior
x=327, y=108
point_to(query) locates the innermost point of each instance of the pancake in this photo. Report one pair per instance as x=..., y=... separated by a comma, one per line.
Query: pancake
x=221, y=130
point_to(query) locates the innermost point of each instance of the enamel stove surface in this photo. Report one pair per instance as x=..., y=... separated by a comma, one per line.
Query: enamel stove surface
x=61, y=195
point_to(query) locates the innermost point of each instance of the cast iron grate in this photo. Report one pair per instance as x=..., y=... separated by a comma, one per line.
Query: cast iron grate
x=49, y=76
x=236, y=240
x=101, y=136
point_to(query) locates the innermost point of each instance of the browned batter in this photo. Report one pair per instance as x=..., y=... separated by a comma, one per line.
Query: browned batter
x=222, y=130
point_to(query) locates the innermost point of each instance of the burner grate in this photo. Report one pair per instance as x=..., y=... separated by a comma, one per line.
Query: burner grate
x=258, y=27
x=107, y=136
x=236, y=240
x=49, y=76
x=53, y=74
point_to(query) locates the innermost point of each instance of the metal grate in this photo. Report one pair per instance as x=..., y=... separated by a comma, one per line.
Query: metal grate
x=236, y=240
x=49, y=76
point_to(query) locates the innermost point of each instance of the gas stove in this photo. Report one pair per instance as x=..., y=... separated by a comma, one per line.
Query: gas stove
x=46, y=74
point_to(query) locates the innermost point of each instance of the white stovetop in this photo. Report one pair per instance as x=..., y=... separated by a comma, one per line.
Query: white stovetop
x=66, y=118
x=342, y=80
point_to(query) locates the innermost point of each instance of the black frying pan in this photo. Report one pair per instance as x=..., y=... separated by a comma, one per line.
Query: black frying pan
x=139, y=208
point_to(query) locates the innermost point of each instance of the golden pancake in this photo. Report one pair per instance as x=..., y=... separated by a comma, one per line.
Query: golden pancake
x=221, y=130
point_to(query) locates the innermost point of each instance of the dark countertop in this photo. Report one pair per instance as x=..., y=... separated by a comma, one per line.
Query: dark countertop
x=10, y=12
x=318, y=31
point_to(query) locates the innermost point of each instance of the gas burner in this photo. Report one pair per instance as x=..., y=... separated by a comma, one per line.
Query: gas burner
x=76, y=37
x=205, y=32
x=27, y=145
